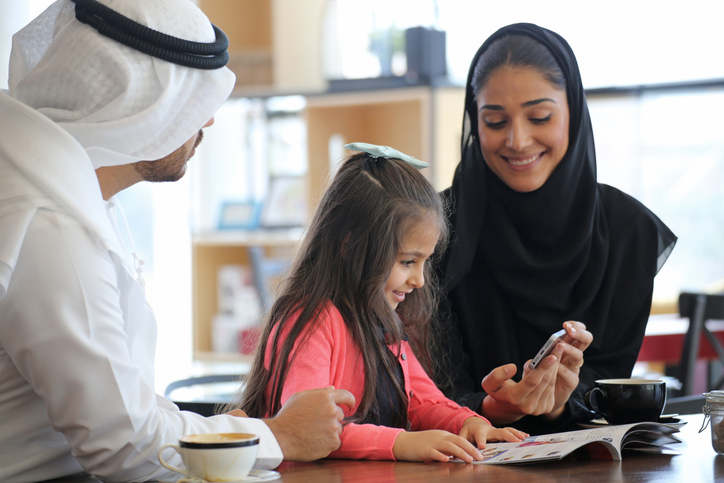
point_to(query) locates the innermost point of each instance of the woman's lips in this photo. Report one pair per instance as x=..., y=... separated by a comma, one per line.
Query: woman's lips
x=520, y=162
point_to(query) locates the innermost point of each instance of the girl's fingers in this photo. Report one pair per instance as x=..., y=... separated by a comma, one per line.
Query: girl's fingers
x=436, y=455
x=483, y=441
x=510, y=435
x=462, y=448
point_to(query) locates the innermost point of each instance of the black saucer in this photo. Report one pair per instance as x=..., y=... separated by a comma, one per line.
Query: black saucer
x=669, y=419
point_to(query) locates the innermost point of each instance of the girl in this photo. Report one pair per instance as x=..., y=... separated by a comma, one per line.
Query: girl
x=355, y=294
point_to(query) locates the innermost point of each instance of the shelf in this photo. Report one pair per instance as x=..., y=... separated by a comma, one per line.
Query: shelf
x=424, y=122
x=209, y=252
x=249, y=238
x=217, y=357
x=248, y=24
x=273, y=44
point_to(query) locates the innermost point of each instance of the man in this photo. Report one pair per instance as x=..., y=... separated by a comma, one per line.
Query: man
x=86, y=110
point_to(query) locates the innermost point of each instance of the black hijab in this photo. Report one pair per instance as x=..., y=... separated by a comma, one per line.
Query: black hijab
x=520, y=264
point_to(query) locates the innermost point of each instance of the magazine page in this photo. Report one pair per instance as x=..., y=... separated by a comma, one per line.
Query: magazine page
x=605, y=442
x=646, y=437
x=611, y=434
x=530, y=451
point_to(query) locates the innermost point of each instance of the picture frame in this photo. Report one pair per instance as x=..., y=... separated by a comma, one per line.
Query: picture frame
x=286, y=204
x=240, y=215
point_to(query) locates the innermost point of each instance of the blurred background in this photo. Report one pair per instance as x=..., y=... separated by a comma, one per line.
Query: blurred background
x=316, y=74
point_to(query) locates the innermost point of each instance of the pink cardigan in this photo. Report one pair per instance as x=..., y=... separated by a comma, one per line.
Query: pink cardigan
x=329, y=357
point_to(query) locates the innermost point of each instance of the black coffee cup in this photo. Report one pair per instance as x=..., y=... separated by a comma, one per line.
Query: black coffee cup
x=622, y=401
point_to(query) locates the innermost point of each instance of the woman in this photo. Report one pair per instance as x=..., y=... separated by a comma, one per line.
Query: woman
x=538, y=241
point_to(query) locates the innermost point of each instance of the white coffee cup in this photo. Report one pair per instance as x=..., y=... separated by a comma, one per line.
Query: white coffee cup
x=215, y=456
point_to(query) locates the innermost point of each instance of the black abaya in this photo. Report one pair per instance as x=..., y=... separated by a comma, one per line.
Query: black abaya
x=520, y=264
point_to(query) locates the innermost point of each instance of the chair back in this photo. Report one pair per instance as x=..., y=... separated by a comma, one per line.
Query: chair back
x=713, y=306
x=698, y=308
x=206, y=405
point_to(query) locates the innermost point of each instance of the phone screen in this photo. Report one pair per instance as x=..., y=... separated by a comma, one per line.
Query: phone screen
x=547, y=348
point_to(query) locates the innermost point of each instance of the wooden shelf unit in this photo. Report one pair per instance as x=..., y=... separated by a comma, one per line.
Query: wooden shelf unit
x=424, y=122
x=274, y=45
x=210, y=252
x=248, y=24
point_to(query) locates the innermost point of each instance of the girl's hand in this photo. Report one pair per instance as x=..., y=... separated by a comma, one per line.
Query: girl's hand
x=479, y=431
x=434, y=445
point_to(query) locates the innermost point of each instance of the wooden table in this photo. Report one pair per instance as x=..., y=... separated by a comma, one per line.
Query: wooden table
x=697, y=463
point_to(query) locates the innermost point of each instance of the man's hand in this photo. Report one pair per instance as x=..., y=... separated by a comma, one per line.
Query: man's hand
x=308, y=426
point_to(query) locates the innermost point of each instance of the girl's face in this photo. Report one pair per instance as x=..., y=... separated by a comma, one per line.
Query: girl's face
x=407, y=273
x=523, y=126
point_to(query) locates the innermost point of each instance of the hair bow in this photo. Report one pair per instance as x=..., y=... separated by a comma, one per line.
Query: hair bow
x=386, y=152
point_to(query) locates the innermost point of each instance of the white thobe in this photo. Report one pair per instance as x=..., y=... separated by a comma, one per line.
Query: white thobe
x=76, y=357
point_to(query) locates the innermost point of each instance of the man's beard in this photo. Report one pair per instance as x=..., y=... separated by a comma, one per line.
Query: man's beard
x=168, y=168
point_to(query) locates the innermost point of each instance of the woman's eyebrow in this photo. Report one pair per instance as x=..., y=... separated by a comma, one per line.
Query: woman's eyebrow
x=497, y=107
x=491, y=107
x=537, y=101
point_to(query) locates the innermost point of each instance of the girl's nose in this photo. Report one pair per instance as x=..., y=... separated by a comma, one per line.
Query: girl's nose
x=417, y=280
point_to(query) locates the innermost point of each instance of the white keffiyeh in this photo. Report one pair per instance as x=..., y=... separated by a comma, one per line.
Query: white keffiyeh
x=121, y=105
x=118, y=105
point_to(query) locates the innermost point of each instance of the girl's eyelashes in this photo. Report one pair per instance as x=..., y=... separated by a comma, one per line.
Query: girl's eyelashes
x=407, y=263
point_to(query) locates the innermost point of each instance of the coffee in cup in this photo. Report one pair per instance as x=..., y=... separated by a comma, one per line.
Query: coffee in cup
x=215, y=456
x=623, y=401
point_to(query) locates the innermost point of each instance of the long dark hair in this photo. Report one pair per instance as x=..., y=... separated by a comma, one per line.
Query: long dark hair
x=346, y=257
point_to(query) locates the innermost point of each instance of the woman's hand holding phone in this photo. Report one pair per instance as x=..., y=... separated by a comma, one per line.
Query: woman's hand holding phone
x=577, y=340
x=547, y=348
x=542, y=391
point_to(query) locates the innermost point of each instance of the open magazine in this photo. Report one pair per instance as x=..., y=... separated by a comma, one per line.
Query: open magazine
x=606, y=442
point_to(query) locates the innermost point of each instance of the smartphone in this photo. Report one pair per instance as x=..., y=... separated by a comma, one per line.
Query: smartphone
x=547, y=348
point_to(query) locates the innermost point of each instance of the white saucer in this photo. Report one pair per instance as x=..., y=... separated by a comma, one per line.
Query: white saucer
x=254, y=476
x=260, y=475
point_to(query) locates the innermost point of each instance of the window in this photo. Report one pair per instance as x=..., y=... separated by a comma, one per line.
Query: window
x=665, y=148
